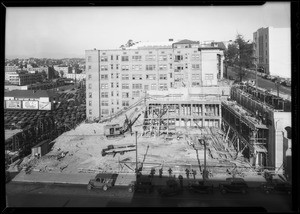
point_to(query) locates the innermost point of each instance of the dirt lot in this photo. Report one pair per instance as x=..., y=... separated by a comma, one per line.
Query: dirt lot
x=83, y=147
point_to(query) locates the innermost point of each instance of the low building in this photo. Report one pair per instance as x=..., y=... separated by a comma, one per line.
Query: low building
x=16, y=87
x=23, y=78
x=30, y=99
x=185, y=107
x=77, y=77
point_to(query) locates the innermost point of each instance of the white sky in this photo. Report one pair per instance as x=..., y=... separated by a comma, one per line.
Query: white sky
x=58, y=32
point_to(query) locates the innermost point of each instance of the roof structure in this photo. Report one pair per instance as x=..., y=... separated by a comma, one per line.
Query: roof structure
x=141, y=45
x=10, y=133
x=186, y=41
x=221, y=45
x=30, y=93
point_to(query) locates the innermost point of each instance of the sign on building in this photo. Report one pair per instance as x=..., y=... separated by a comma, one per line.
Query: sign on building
x=30, y=104
x=44, y=105
x=13, y=104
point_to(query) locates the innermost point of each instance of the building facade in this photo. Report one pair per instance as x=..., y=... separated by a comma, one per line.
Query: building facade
x=77, y=77
x=30, y=99
x=11, y=68
x=260, y=126
x=23, y=78
x=62, y=70
x=273, y=50
x=115, y=79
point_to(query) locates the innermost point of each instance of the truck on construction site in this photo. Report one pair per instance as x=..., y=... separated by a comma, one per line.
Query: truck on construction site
x=115, y=149
x=115, y=130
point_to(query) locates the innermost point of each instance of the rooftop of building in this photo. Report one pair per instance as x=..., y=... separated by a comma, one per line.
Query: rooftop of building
x=9, y=133
x=168, y=44
x=186, y=41
x=141, y=45
x=30, y=93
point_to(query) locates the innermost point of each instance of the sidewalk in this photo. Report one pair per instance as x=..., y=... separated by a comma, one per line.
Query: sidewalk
x=44, y=177
x=252, y=181
x=123, y=179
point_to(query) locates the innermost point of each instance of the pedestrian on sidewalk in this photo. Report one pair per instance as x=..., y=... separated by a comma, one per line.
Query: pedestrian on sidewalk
x=187, y=172
x=194, y=173
x=152, y=172
x=160, y=172
x=180, y=180
x=170, y=172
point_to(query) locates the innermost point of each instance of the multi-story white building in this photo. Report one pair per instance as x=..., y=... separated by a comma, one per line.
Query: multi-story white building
x=117, y=78
x=273, y=50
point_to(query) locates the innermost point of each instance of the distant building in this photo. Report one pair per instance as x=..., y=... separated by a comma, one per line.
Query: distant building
x=38, y=69
x=12, y=68
x=16, y=87
x=117, y=78
x=30, y=99
x=273, y=50
x=23, y=78
x=76, y=77
x=62, y=70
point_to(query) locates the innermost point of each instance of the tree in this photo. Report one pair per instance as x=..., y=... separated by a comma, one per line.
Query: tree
x=61, y=73
x=44, y=75
x=128, y=44
x=239, y=53
x=230, y=55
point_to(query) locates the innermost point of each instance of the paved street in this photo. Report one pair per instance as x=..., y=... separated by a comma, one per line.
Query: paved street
x=63, y=195
x=263, y=83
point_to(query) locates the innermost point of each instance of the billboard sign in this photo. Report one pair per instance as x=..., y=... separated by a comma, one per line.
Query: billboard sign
x=30, y=104
x=44, y=105
x=13, y=104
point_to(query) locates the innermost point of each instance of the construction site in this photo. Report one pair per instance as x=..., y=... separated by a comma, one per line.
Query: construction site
x=159, y=131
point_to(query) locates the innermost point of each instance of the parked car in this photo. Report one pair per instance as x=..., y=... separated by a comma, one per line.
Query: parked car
x=234, y=185
x=101, y=182
x=143, y=184
x=276, y=186
x=172, y=188
x=200, y=187
x=268, y=77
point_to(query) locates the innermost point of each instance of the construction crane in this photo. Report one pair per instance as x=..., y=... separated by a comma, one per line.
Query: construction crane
x=115, y=130
x=142, y=164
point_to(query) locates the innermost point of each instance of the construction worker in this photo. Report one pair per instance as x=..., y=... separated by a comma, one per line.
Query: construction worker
x=160, y=172
x=170, y=172
x=187, y=172
x=180, y=180
x=194, y=173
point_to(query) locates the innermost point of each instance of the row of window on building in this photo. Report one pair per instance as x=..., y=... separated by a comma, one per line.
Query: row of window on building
x=152, y=57
x=147, y=68
x=177, y=77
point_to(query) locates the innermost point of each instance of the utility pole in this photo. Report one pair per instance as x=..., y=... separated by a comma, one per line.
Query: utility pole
x=204, y=170
x=277, y=87
x=136, y=155
x=256, y=76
